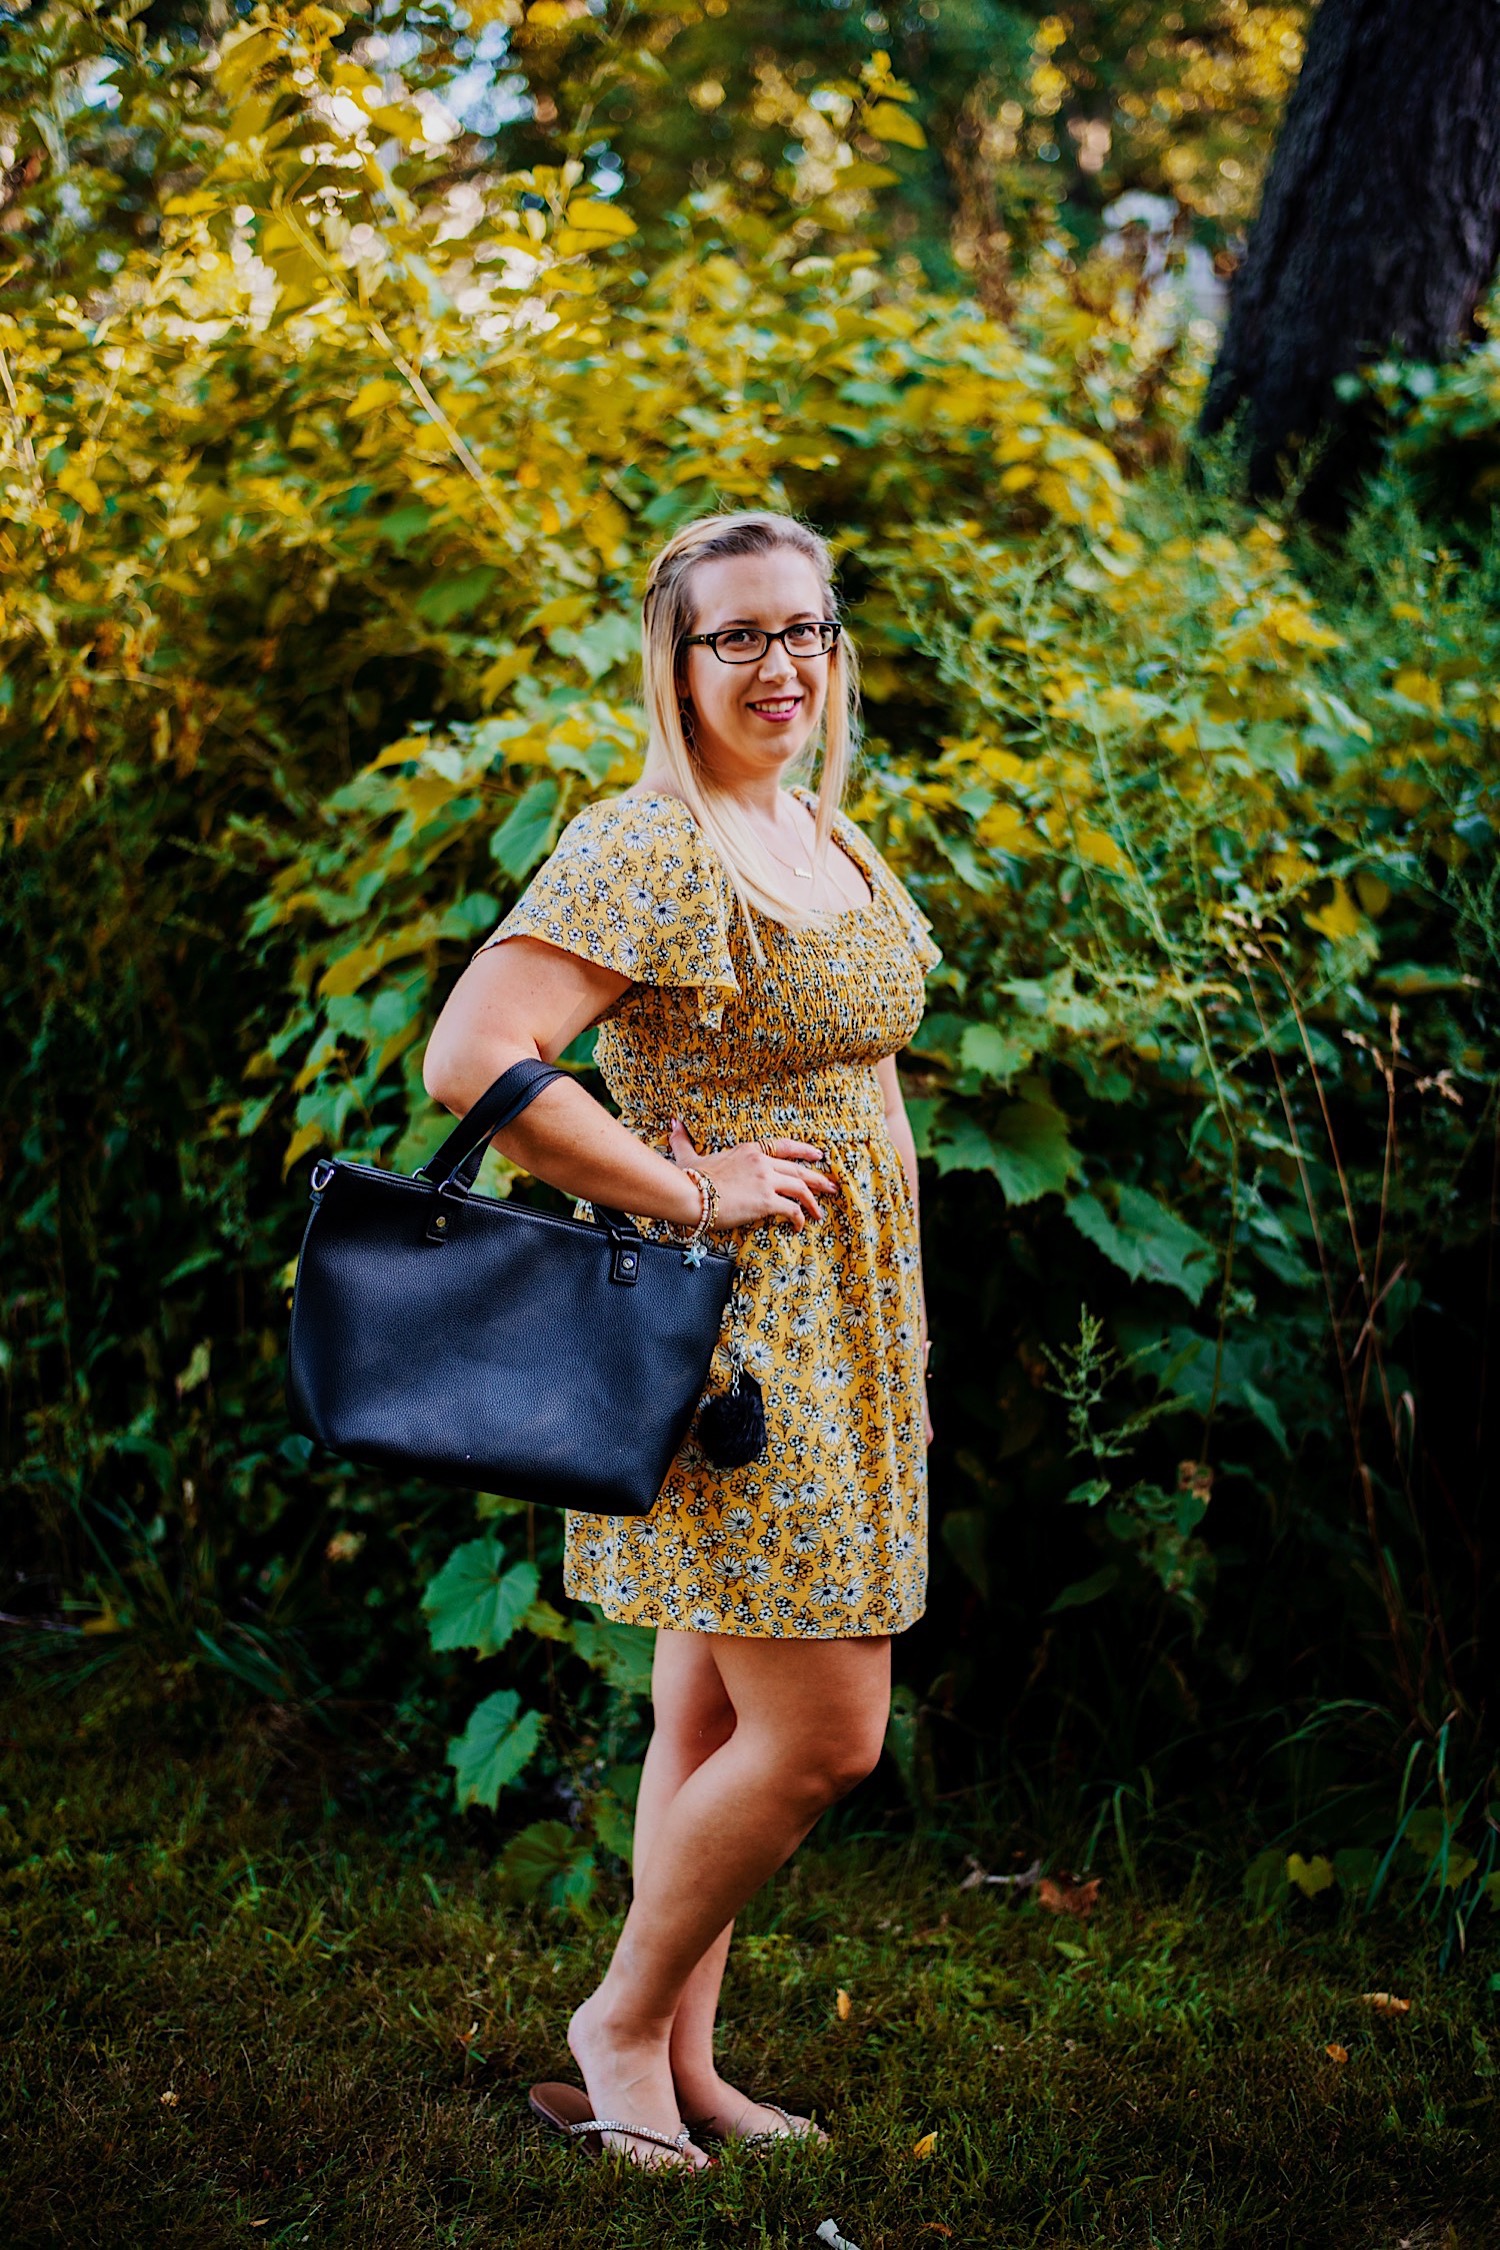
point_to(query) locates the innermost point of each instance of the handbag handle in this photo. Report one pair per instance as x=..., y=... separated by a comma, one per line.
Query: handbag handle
x=455, y=1164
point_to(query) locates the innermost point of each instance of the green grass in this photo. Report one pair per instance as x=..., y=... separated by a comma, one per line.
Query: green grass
x=348, y=2029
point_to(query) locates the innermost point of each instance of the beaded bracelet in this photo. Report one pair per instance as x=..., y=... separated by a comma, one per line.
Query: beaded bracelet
x=708, y=1204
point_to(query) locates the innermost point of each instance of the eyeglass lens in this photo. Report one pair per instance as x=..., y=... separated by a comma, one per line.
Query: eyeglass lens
x=746, y=644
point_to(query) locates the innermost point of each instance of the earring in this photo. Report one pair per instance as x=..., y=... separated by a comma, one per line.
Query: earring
x=685, y=721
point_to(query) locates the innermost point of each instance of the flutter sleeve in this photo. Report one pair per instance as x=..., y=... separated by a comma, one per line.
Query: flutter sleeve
x=633, y=886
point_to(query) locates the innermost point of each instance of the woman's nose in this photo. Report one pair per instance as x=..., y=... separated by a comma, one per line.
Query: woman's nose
x=776, y=664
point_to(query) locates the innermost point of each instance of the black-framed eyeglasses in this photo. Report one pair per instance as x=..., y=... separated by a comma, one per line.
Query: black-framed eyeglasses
x=747, y=644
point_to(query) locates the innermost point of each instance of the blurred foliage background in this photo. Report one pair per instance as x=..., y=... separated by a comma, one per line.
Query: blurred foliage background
x=352, y=364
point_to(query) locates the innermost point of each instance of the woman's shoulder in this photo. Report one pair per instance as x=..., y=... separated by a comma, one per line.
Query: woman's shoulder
x=633, y=830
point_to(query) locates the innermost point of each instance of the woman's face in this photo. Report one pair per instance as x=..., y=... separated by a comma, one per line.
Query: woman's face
x=751, y=720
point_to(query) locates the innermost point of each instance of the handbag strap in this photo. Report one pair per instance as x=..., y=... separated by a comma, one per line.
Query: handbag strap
x=454, y=1166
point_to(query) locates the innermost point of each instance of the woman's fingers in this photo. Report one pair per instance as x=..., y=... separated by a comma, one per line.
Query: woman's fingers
x=795, y=1188
x=680, y=1142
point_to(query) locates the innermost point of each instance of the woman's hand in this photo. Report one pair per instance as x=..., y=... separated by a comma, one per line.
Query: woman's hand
x=754, y=1184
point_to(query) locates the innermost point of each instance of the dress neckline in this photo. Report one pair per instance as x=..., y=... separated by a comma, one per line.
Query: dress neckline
x=856, y=860
x=842, y=842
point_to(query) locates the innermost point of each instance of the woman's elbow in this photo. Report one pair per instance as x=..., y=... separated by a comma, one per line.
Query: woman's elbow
x=439, y=1072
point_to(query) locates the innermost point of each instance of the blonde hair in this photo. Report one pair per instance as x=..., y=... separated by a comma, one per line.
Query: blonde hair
x=668, y=613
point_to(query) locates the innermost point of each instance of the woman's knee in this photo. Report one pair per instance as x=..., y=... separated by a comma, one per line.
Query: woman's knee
x=837, y=1759
x=690, y=1707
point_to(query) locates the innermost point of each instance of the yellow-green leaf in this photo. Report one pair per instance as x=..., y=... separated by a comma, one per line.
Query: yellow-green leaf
x=591, y=216
x=890, y=123
x=1310, y=1875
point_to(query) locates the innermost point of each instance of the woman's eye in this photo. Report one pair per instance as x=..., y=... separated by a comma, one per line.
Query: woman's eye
x=800, y=638
x=738, y=640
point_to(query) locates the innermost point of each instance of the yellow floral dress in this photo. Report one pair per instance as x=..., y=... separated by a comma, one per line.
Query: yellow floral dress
x=825, y=1536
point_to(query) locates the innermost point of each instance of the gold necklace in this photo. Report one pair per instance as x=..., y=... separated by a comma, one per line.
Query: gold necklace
x=805, y=873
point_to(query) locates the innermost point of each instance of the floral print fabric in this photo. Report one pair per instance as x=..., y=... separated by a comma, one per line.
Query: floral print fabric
x=824, y=1537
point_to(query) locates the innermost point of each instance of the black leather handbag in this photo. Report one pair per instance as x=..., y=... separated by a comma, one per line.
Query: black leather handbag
x=440, y=1333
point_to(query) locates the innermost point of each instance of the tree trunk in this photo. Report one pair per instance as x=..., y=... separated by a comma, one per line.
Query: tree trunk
x=1378, y=229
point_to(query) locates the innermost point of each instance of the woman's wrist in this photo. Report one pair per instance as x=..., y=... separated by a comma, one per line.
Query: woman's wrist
x=687, y=1202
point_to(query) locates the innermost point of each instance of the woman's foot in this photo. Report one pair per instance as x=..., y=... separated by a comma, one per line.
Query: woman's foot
x=629, y=2079
x=718, y=2107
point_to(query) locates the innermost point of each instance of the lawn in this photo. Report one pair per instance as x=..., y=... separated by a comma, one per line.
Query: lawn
x=237, y=2013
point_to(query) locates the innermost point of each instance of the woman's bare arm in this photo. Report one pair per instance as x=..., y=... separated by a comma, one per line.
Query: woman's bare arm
x=524, y=999
x=898, y=1125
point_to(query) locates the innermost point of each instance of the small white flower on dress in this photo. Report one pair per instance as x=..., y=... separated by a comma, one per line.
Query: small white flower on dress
x=738, y=1521
x=703, y=1620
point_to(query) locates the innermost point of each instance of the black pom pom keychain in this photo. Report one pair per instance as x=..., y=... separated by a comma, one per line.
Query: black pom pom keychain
x=732, y=1426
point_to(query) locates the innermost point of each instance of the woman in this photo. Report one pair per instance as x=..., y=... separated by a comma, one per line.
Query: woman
x=754, y=968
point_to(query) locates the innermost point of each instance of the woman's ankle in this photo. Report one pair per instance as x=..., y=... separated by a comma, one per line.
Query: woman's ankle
x=699, y=2086
x=608, y=2018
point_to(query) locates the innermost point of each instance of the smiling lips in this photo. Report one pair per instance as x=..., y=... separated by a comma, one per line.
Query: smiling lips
x=777, y=709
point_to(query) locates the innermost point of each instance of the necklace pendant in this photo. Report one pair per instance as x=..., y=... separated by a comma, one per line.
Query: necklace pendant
x=805, y=872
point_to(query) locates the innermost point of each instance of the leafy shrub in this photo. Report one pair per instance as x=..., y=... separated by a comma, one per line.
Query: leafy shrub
x=328, y=508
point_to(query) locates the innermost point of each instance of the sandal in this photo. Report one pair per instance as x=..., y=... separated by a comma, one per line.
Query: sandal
x=797, y=2129
x=567, y=2110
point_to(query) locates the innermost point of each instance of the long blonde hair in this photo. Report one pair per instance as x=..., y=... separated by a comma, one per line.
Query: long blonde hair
x=668, y=613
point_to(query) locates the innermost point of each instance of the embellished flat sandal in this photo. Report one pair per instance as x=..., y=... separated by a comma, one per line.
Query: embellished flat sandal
x=566, y=2109
x=797, y=2129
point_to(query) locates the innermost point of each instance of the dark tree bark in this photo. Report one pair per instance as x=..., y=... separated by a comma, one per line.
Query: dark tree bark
x=1378, y=230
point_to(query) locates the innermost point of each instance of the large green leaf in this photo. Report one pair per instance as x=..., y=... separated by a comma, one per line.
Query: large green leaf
x=1026, y=1147
x=474, y=1601
x=522, y=837
x=965, y=1534
x=496, y=1745
x=621, y=1653
x=452, y=598
x=552, y=1858
x=1085, y=1590
x=1145, y=1239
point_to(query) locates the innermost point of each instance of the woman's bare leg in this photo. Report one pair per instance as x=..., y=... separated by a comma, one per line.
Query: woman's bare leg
x=809, y=1720
x=693, y=1717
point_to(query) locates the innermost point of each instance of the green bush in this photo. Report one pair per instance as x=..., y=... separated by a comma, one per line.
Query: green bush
x=317, y=622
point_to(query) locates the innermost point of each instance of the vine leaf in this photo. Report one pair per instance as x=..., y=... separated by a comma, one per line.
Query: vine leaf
x=496, y=1745
x=474, y=1601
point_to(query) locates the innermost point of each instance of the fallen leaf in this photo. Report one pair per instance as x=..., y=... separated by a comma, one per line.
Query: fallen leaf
x=844, y=2004
x=1387, y=2003
x=935, y=2226
x=1066, y=1896
x=925, y=2145
x=1336, y=2053
x=170, y=2100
